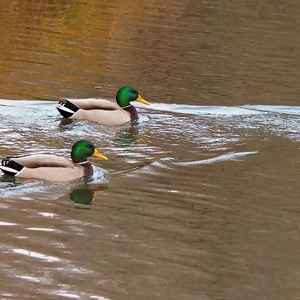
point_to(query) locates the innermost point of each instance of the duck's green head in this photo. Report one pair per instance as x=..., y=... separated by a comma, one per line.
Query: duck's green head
x=82, y=149
x=126, y=94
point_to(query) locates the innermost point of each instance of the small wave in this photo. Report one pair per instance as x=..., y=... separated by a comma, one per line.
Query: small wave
x=223, y=110
x=201, y=110
x=225, y=157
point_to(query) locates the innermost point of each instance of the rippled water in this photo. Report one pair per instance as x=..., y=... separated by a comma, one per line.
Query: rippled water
x=185, y=186
x=200, y=198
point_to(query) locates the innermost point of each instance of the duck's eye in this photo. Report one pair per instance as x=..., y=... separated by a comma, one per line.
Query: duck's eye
x=133, y=91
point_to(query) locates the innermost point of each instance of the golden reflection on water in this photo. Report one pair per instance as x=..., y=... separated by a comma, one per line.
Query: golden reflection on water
x=183, y=52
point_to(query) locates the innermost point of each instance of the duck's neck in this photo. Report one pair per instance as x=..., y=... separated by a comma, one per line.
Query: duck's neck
x=132, y=111
x=88, y=168
x=82, y=163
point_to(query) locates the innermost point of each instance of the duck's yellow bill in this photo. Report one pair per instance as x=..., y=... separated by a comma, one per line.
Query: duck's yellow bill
x=142, y=100
x=99, y=155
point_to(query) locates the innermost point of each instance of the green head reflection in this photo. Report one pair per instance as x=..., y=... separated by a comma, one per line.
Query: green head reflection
x=82, y=196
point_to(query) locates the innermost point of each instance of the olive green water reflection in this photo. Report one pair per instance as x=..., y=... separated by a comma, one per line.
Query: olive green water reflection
x=202, y=198
x=177, y=51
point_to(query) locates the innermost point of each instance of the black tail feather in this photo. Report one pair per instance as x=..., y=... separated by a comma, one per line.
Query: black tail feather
x=66, y=108
x=10, y=167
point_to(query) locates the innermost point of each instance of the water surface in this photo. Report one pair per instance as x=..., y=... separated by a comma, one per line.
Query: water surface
x=199, y=199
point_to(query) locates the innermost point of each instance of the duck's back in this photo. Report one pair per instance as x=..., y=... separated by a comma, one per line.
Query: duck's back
x=43, y=160
x=90, y=104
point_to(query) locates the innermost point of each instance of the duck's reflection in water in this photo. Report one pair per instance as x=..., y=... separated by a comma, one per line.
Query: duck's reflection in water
x=81, y=191
x=127, y=137
x=85, y=196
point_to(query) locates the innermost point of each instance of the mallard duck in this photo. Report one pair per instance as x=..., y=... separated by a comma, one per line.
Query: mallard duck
x=104, y=111
x=52, y=167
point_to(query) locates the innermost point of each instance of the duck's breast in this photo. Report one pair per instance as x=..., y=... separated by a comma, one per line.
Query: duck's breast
x=132, y=112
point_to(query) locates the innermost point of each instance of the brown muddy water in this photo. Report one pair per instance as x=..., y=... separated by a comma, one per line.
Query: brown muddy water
x=200, y=198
